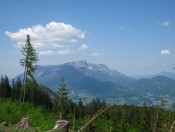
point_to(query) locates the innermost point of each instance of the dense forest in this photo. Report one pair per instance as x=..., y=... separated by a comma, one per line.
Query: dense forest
x=44, y=113
x=24, y=97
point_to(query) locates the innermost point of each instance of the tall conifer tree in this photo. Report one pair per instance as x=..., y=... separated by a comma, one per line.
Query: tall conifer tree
x=30, y=58
x=5, y=88
x=62, y=98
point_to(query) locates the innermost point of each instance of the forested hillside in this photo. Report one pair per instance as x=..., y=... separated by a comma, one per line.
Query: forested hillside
x=43, y=112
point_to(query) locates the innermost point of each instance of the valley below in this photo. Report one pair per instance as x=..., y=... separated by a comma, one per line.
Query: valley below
x=90, y=81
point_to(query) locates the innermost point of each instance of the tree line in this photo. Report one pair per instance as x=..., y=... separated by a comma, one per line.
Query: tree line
x=120, y=118
x=37, y=95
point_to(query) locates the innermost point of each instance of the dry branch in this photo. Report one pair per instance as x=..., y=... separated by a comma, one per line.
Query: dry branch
x=171, y=129
x=94, y=117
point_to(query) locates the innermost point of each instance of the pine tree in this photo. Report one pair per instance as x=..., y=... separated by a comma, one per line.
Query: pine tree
x=18, y=84
x=62, y=99
x=28, y=63
x=13, y=90
x=1, y=86
x=5, y=88
x=81, y=110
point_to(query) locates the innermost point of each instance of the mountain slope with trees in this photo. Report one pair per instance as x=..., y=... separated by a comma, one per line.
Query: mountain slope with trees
x=75, y=71
x=156, y=85
x=88, y=80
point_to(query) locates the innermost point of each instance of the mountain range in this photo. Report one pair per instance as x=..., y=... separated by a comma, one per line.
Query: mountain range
x=85, y=79
x=81, y=76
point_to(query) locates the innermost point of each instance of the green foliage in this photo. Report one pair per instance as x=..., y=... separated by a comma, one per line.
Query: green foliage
x=101, y=125
x=118, y=118
x=36, y=94
x=5, y=88
x=140, y=118
x=12, y=112
x=30, y=58
x=16, y=89
x=80, y=109
x=62, y=99
x=130, y=128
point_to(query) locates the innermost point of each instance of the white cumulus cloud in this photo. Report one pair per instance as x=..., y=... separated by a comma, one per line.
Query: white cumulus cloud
x=165, y=52
x=65, y=52
x=165, y=23
x=46, y=52
x=95, y=54
x=84, y=46
x=53, y=35
x=59, y=52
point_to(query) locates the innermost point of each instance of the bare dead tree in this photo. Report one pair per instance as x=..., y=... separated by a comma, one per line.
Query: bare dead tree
x=94, y=117
x=172, y=126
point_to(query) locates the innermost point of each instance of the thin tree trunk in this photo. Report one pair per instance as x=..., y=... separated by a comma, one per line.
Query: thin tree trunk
x=61, y=112
x=25, y=86
x=60, y=115
x=21, y=96
x=15, y=93
x=157, y=116
x=110, y=128
x=24, y=95
x=74, y=121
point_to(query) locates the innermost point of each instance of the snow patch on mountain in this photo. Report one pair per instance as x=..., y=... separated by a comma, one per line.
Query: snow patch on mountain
x=99, y=71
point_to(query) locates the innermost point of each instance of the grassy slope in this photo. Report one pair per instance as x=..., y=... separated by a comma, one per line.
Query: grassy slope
x=12, y=112
x=41, y=120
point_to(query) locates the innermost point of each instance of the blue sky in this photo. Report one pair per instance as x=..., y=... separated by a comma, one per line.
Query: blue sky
x=135, y=37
